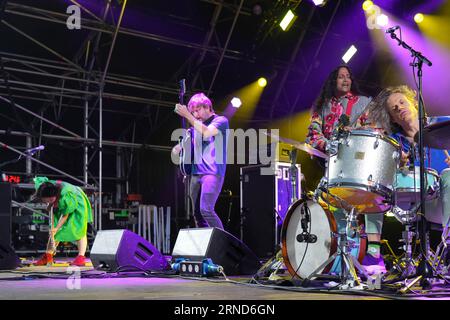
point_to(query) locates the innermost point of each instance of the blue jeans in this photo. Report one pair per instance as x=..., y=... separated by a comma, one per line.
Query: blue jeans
x=204, y=191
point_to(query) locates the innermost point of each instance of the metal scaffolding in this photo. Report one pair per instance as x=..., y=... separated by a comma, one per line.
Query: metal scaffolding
x=84, y=82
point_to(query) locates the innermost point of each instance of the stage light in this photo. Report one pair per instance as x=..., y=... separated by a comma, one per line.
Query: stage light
x=382, y=20
x=288, y=20
x=236, y=102
x=418, y=18
x=367, y=5
x=320, y=3
x=349, y=54
x=262, y=82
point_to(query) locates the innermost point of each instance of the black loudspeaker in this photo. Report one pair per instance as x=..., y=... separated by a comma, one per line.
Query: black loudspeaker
x=8, y=257
x=221, y=247
x=123, y=249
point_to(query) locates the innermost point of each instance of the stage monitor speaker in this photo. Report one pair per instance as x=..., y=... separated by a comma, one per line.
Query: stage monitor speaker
x=8, y=257
x=220, y=246
x=123, y=249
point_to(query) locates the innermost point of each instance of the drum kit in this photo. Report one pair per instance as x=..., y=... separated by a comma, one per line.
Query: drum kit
x=322, y=235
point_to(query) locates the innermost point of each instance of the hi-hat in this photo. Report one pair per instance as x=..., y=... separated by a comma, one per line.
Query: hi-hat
x=299, y=145
x=436, y=136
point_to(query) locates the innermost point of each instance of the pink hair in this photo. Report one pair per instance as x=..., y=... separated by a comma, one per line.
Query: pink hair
x=200, y=99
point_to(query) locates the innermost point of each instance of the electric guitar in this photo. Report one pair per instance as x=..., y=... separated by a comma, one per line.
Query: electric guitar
x=185, y=154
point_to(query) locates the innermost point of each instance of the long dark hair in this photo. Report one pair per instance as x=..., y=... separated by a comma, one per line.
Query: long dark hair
x=47, y=190
x=328, y=90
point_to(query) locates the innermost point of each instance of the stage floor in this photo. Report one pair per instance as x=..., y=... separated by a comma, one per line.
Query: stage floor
x=62, y=282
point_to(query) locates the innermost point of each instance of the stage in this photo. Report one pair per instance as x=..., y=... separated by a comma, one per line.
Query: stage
x=62, y=282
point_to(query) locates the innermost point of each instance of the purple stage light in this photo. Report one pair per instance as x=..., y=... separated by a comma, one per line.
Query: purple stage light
x=436, y=79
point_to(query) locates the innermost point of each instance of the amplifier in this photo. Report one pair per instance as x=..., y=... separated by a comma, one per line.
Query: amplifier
x=282, y=152
x=265, y=200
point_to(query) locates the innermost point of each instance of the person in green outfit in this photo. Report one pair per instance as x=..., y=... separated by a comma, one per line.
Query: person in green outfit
x=72, y=212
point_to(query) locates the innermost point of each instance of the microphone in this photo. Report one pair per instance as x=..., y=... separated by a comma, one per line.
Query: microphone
x=392, y=29
x=306, y=237
x=34, y=150
x=344, y=121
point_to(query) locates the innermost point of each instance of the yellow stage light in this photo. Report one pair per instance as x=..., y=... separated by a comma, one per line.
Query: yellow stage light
x=262, y=82
x=367, y=5
x=418, y=18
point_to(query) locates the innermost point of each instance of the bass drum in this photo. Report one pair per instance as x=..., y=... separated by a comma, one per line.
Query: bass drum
x=302, y=258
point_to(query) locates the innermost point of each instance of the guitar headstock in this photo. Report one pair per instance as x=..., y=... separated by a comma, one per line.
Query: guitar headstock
x=182, y=90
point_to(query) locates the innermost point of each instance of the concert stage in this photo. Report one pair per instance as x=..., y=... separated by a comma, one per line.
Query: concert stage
x=62, y=282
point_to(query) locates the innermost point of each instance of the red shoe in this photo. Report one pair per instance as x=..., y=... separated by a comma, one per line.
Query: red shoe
x=46, y=260
x=79, y=261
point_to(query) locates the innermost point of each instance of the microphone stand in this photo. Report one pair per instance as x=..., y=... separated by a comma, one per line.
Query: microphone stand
x=424, y=270
x=14, y=160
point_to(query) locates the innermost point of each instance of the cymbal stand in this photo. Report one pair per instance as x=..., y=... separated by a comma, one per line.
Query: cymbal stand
x=440, y=259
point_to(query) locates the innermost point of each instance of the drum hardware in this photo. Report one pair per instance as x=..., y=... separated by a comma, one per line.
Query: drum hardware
x=348, y=275
x=441, y=258
x=303, y=258
x=406, y=264
x=271, y=267
x=405, y=217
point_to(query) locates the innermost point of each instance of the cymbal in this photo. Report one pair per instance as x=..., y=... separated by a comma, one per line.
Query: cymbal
x=436, y=136
x=299, y=145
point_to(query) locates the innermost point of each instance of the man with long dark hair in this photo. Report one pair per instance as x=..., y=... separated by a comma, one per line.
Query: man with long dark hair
x=340, y=96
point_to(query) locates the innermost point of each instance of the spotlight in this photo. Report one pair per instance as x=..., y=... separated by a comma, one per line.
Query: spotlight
x=236, y=102
x=320, y=3
x=367, y=5
x=262, y=82
x=382, y=20
x=418, y=18
x=349, y=54
x=288, y=20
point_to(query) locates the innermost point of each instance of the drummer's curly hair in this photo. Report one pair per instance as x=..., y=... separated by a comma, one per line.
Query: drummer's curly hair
x=328, y=90
x=378, y=112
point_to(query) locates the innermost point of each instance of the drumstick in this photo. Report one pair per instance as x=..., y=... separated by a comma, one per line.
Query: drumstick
x=446, y=153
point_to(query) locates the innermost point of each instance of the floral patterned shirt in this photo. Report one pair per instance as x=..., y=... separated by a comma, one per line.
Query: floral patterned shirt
x=321, y=129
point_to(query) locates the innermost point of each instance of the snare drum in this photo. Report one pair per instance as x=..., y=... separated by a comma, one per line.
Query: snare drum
x=407, y=185
x=362, y=173
x=303, y=258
